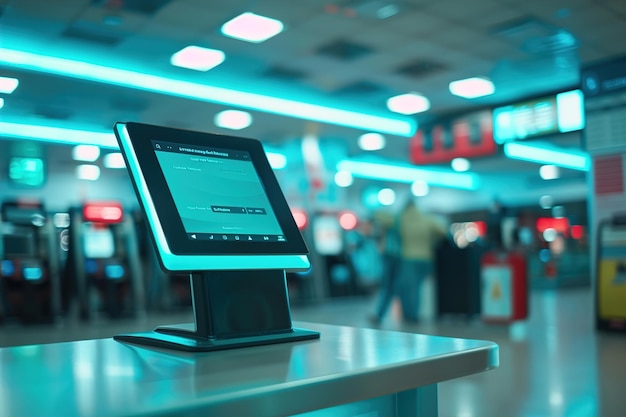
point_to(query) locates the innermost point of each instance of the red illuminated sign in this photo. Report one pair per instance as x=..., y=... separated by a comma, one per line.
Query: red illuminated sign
x=103, y=212
x=463, y=137
x=560, y=224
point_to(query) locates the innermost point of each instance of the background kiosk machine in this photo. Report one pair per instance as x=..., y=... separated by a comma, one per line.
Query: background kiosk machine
x=215, y=210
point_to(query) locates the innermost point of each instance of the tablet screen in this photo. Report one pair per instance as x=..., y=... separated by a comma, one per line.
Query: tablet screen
x=211, y=201
x=218, y=193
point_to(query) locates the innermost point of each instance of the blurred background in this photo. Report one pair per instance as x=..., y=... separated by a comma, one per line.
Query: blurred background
x=492, y=115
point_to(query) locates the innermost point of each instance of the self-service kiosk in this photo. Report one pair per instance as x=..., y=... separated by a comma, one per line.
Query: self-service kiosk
x=29, y=269
x=104, y=261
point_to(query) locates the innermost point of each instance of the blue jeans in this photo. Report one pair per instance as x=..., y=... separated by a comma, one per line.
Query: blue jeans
x=405, y=281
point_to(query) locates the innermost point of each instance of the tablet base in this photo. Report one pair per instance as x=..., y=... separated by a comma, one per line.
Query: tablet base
x=162, y=338
x=232, y=309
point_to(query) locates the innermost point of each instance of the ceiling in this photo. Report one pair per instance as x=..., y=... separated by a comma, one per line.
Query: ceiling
x=338, y=52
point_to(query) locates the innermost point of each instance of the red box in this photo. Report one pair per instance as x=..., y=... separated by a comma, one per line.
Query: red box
x=504, y=295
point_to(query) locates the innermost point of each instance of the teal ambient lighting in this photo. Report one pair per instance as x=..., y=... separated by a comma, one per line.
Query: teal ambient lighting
x=408, y=174
x=58, y=134
x=401, y=126
x=545, y=154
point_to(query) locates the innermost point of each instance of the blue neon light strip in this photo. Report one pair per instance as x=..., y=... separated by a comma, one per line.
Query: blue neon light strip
x=87, y=137
x=58, y=134
x=544, y=154
x=408, y=174
x=402, y=126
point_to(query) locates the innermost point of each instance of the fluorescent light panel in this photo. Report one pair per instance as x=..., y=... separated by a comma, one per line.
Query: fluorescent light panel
x=577, y=160
x=472, y=87
x=208, y=93
x=371, y=141
x=58, y=134
x=88, y=172
x=8, y=84
x=549, y=172
x=408, y=104
x=276, y=160
x=420, y=188
x=87, y=153
x=409, y=174
x=386, y=196
x=197, y=58
x=460, y=164
x=344, y=179
x=252, y=27
x=233, y=119
x=114, y=160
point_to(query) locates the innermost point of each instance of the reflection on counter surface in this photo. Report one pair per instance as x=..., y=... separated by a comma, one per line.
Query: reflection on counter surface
x=554, y=363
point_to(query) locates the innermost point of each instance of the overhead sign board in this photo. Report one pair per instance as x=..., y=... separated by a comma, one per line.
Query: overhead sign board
x=461, y=137
x=560, y=113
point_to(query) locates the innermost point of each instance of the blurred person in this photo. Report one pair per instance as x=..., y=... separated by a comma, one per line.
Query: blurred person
x=418, y=233
x=389, y=247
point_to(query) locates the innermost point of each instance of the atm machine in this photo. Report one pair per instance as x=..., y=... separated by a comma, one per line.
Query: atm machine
x=104, y=262
x=29, y=270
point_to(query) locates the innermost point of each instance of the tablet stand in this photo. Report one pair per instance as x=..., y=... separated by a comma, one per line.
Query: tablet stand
x=231, y=309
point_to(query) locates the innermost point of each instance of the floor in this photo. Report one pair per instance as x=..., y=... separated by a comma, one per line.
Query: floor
x=553, y=364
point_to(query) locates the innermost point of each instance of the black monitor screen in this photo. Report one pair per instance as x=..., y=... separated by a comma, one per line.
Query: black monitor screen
x=232, y=206
x=212, y=201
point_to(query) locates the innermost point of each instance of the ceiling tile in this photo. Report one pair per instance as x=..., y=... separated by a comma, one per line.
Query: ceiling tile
x=465, y=11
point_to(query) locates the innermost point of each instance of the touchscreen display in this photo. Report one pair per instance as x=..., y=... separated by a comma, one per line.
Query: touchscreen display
x=218, y=193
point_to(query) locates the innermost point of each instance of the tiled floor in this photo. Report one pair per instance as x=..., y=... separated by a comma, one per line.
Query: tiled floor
x=554, y=364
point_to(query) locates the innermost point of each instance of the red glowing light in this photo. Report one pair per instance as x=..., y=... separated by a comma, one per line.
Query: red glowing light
x=348, y=220
x=560, y=224
x=302, y=220
x=107, y=212
x=481, y=227
x=577, y=231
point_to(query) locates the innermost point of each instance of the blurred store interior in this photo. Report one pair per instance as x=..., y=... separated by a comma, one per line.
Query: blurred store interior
x=468, y=108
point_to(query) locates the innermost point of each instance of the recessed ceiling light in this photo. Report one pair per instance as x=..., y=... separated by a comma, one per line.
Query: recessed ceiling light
x=408, y=103
x=233, y=119
x=114, y=160
x=420, y=188
x=344, y=179
x=197, y=58
x=386, y=196
x=549, y=172
x=276, y=160
x=88, y=153
x=8, y=84
x=252, y=27
x=88, y=172
x=460, y=164
x=371, y=141
x=472, y=87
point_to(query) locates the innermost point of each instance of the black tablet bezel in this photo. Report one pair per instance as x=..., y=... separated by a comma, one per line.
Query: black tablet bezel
x=141, y=137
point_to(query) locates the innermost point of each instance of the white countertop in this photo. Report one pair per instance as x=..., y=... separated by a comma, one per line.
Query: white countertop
x=104, y=377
